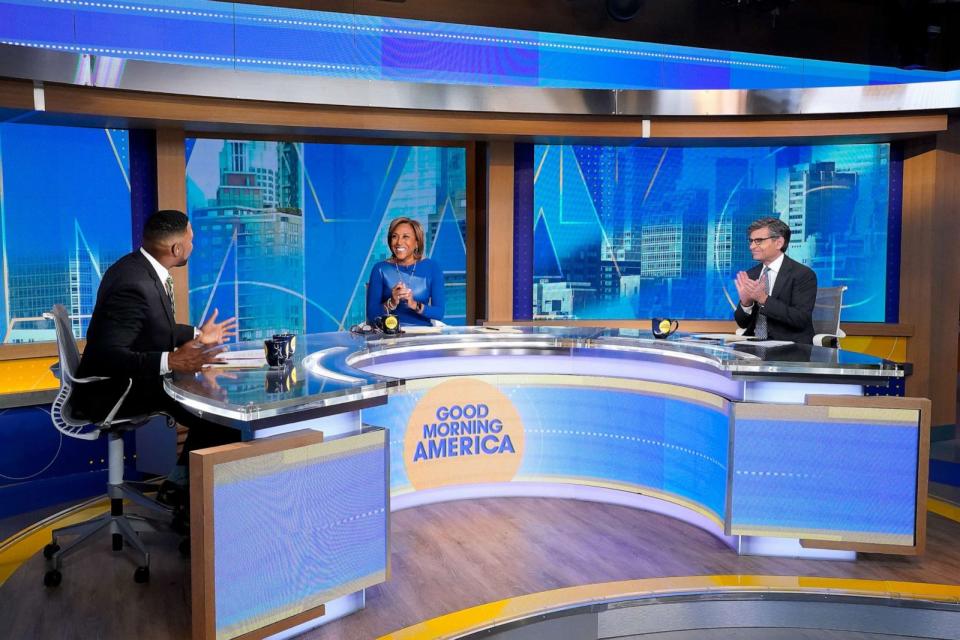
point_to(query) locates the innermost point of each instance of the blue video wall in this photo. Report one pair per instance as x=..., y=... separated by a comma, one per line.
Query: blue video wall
x=282, y=40
x=65, y=204
x=286, y=233
x=639, y=232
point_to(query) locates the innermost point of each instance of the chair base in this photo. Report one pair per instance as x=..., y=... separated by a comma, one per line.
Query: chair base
x=125, y=530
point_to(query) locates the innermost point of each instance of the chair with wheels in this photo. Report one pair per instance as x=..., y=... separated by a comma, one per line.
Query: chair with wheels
x=826, y=316
x=123, y=527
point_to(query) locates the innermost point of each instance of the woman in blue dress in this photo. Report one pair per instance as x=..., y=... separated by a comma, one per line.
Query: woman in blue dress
x=407, y=284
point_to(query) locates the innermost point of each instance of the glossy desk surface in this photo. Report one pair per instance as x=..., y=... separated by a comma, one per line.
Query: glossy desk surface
x=327, y=374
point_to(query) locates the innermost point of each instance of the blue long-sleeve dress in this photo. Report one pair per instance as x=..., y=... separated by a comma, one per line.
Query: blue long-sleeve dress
x=425, y=280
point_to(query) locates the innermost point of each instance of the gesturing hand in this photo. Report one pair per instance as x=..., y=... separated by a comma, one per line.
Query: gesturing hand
x=213, y=332
x=191, y=356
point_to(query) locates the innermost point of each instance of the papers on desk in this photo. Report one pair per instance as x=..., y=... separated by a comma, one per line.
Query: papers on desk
x=729, y=338
x=242, y=359
x=415, y=330
x=726, y=337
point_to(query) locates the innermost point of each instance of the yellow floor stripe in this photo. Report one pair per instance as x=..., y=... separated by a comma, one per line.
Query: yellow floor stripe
x=501, y=612
x=22, y=546
x=945, y=509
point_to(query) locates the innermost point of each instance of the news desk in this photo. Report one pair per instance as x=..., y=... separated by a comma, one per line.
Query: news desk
x=773, y=449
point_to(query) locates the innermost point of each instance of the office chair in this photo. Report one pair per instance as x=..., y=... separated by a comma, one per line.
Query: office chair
x=124, y=527
x=826, y=316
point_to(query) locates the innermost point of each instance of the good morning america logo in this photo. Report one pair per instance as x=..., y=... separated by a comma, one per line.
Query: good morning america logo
x=463, y=430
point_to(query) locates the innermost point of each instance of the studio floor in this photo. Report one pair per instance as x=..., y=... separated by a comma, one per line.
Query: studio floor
x=445, y=557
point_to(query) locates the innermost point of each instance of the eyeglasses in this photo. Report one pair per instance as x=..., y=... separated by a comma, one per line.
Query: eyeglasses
x=759, y=241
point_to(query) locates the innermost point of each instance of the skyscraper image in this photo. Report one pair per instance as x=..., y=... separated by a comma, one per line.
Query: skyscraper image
x=248, y=256
x=630, y=232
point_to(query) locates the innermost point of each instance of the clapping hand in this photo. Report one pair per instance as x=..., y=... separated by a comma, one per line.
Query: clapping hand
x=750, y=290
x=408, y=296
x=213, y=332
x=401, y=292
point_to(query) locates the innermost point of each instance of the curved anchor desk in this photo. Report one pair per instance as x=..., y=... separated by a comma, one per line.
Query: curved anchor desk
x=774, y=449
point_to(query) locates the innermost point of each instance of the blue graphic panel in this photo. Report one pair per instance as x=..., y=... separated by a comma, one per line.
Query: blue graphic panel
x=818, y=482
x=286, y=233
x=251, y=37
x=338, y=537
x=638, y=232
x=668, y=445
x=65, y=204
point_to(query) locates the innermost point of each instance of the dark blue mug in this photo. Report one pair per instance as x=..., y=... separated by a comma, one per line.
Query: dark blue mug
x=289, y=342
x=276, y=352
x=663, y=327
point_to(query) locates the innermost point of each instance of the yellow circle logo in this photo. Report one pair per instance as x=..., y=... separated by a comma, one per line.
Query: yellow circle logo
x=390, y=322
x=463, y=431
x=664, y=326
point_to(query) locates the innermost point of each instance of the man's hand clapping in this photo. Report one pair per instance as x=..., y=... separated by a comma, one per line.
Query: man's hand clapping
x=749, y=290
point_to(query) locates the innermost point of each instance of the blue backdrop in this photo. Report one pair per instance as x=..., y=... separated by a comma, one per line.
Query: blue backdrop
x=65, y=203
x=638, y=232
x=286, y=233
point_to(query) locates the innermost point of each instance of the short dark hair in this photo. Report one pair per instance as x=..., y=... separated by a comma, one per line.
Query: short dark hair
x=777, y=228
x=417, y=234
x=163, y=224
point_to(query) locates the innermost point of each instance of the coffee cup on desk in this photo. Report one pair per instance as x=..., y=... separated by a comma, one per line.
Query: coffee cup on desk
x=663, y=327
x=276, y=352
x=289, y=340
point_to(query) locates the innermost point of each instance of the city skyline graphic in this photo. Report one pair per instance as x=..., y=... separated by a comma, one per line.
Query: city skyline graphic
x=639, y=232
x=286, y=233
x=65, y=217
x=619, y=232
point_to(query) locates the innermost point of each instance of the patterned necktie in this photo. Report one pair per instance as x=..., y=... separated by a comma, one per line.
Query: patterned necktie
x=760, y=330
x=173, y=305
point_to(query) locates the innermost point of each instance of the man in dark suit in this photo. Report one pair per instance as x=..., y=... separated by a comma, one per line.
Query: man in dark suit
x=133, y=335
x=777, y=296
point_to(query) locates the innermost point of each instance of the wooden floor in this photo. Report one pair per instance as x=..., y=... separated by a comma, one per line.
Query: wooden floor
x=445, y=557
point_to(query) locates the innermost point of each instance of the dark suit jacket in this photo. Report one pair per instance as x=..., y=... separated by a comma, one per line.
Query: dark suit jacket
x=789, y=308
x=131, y=326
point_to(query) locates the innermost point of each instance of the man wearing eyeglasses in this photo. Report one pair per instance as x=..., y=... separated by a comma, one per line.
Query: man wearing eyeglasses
x=777, y=295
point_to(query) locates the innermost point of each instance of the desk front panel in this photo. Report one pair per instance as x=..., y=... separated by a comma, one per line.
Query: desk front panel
x=838, y=474
x=658, y=439
x=844, y=474
x=282, y=526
